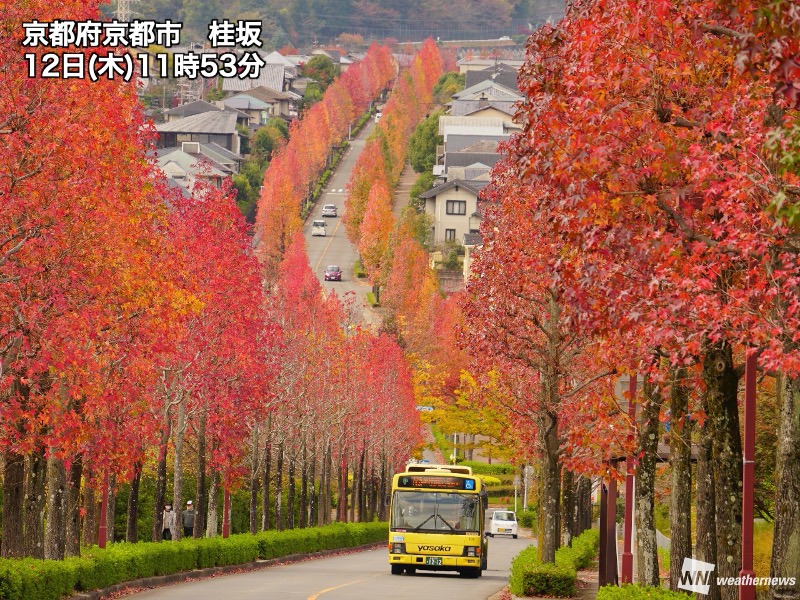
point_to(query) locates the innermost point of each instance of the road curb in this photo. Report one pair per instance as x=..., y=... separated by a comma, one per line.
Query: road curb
x=173, y=578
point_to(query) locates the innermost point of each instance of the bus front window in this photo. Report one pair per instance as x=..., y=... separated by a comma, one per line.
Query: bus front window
x=439, y=512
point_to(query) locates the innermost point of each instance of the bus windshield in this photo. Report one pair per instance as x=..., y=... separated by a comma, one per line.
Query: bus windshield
x=439, y=512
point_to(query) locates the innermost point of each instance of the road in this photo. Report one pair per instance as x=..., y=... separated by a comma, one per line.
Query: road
x=357, y=576
x=335, y=248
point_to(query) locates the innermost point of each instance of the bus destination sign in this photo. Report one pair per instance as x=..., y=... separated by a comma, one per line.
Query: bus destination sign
x=436, y=482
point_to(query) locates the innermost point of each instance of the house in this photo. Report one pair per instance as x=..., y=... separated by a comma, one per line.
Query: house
x=478, y=64
x=282, y=104
x=500, y=73
x=472, y=241
x=257, y=111
x=271, y=76
x=455, y=207
x=189, y=109
x=187, y=165
x=482, y=95
x=217, y=126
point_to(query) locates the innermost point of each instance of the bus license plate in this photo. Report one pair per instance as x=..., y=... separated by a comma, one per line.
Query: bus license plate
x=437, y=562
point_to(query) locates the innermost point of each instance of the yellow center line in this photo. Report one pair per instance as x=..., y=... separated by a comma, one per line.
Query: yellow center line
x=336, y=587
x=324, y=252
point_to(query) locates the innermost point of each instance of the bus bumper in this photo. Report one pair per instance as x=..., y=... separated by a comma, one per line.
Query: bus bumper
x=435, y=563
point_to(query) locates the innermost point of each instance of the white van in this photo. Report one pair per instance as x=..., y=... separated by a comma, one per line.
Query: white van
x=318, y=228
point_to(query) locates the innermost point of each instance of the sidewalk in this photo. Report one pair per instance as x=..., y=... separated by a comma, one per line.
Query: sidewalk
x=402, y=194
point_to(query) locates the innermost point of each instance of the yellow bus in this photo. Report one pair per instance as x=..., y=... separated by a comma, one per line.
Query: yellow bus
x=437, y=520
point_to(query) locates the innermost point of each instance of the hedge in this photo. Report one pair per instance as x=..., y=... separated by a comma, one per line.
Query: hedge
x=639, y=592
x=480, y=468
x=531, y=577
x=33, y=579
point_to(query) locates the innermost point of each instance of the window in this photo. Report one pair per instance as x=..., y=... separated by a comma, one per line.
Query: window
x=456, y=207
x=449, y=235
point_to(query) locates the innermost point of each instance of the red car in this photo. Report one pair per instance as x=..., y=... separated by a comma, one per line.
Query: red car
x=333, y=273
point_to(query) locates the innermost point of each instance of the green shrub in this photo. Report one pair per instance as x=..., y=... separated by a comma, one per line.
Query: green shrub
x=639, y=592
x=531, y=577
x=485, y=469
x=358, y=270
x=28, y=579
x=528, y=518
x=548, y=579
x=371, y=300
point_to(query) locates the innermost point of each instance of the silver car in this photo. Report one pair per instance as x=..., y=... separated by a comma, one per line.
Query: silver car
x=329, y=210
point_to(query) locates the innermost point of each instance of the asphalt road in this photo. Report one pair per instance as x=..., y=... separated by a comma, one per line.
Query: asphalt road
x=335, y=248
x=357, y=576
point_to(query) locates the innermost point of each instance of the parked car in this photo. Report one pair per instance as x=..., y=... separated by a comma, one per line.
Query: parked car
x=333, y=273
x=329, y=210
x=503, y=522
x=318, y=228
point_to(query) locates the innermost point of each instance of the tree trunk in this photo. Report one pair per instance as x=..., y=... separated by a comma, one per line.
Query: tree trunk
x=706, y=536
x=161, y=481
x=304, y=486
x=201, y=496
x=567, y=504
x=131, y=529
x=359, y=487
x=13, y=543
x=341, y=512
x=265, y=485
x=646, y=548
x=680, y=444
x=213, y=517
x=721, y=382
x=279, y=522
x=35, y=479
x=55, y=527
x=73, y=509
x=111, y=507
x=786, y=540
x=584, y=502
x=177, y=472
x=290, y=500
x=90, y=521
x=549, y=489
x=312, y=492
x=384, y=491
x=254, y=481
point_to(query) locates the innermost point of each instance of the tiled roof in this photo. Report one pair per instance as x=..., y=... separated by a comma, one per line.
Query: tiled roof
x=271, y=76
x=467, y=185
x=245, y=102
x=192, y=108
x=222, y=122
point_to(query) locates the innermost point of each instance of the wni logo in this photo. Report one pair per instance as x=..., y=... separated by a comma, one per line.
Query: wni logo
x=696, y=576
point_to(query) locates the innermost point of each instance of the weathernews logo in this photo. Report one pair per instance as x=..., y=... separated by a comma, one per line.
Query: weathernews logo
x=696, y=577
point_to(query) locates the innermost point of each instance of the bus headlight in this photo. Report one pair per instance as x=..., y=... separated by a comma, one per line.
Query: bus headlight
x=398, y=548
x=473, y=550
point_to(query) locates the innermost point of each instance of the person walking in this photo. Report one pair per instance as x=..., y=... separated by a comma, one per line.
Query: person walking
x=168, y=519
x=188, y=520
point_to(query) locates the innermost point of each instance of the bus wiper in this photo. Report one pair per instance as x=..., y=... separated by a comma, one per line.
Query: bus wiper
x=434, y=516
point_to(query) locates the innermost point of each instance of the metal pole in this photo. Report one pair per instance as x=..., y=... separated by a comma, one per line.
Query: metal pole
x=611, y=524
x=747, y=590
x=627, y=555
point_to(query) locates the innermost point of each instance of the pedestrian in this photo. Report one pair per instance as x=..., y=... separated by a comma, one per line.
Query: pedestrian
x=169, y=522
x=188, y=520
